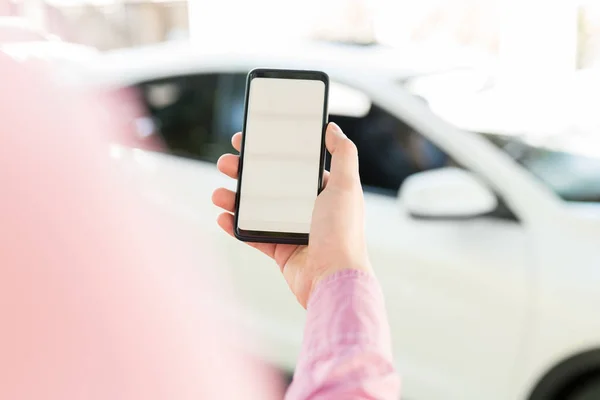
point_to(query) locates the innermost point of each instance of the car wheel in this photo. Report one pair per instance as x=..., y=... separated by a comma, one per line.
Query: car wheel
x=590, y=390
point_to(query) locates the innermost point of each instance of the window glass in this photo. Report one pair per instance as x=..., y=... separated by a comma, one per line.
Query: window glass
x=183, y=109
x=197, y=114
x=389, y=150
x=571, y=175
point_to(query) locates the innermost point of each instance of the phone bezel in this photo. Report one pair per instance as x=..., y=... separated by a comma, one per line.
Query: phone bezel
x=268, y=236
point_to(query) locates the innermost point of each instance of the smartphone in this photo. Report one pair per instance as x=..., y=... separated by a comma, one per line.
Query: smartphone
x=282, y=155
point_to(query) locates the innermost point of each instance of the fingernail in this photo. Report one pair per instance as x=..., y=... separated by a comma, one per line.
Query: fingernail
x=335, y=128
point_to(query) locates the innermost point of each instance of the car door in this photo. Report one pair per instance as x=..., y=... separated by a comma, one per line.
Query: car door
x=456, y=290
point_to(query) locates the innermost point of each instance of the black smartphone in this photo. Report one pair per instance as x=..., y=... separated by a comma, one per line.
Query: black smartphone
x=282, y=155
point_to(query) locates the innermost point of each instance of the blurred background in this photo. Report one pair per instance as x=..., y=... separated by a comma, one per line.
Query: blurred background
x=488, y=28
x=478, y=133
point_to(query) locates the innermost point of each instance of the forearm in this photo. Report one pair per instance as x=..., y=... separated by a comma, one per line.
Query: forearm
x=346, y=351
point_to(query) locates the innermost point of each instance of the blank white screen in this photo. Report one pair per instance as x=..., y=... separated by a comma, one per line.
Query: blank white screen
x=282, y=151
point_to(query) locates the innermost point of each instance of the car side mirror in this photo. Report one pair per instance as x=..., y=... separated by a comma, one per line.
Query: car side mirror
x=446, y=193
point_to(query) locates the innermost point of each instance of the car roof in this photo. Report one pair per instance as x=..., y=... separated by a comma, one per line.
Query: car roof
x=162, y=60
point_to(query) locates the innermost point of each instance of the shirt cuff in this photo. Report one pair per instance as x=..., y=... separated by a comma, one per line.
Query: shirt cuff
x=346, y=308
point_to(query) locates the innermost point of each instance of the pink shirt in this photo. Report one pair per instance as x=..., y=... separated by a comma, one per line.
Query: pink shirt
x=346, y=352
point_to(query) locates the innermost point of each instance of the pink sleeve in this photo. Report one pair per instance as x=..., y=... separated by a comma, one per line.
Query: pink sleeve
x=346, y=351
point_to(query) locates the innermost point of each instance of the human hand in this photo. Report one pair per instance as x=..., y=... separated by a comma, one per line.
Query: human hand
x=337, y=234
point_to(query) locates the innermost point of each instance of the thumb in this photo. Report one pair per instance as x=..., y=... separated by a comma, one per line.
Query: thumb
x=344, y=159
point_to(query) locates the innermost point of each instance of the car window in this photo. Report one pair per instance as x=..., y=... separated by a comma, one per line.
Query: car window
x=389, y=150
x=571, y=175
x=197, y=114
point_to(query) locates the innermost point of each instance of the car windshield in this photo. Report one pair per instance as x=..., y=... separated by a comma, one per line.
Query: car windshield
x=554, y=137
x=566, y=163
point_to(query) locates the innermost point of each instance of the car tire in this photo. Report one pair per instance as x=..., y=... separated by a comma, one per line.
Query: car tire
x=589, y=390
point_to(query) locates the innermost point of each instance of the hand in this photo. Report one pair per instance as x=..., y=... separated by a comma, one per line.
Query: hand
x=337, y=234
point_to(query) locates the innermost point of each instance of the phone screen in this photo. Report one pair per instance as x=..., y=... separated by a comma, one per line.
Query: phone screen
x=282, y=154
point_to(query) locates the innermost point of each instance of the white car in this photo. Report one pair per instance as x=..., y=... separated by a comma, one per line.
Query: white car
x=488, y=251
